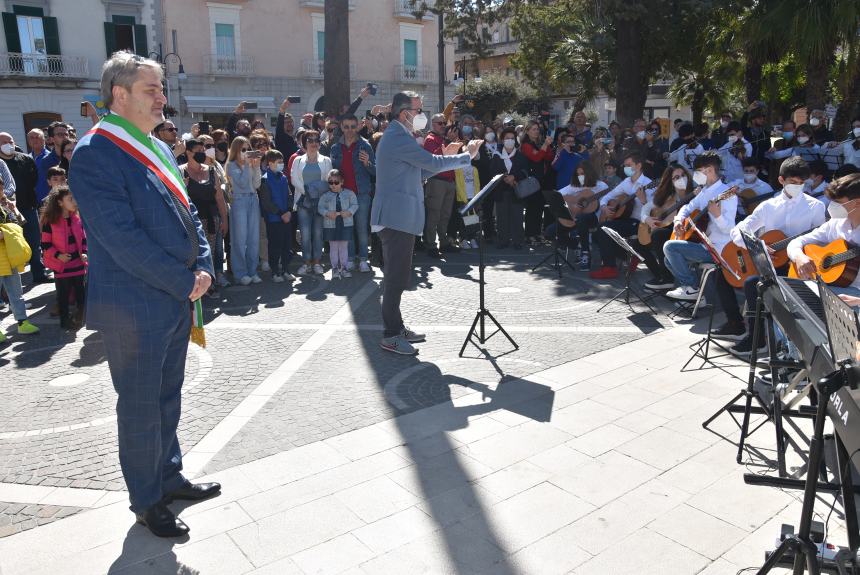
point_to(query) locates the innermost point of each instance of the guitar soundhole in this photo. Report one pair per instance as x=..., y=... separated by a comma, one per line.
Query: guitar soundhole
x=827, y=262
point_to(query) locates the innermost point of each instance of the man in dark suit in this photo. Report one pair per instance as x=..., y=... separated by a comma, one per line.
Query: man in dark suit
x=148, y=261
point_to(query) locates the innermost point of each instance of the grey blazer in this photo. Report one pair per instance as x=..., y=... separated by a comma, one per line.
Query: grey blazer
x=401, y=167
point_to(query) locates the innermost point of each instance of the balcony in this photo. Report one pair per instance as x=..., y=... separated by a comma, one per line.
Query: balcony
x=406, y=8
x=17, y=65
x=320, y=4
x=414, y=74
x=314, y=69
x=228, y=66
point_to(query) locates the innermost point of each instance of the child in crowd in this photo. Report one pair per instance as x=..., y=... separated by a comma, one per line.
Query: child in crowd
x=337, y=207
x=10, y=278
x=56, y=177
x=64, y=249
x=275, y=201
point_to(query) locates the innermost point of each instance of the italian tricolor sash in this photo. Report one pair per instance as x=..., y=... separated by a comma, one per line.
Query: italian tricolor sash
x=130, y=139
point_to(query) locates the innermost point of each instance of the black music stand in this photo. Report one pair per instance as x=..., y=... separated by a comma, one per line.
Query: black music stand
x=483, y=313
x=628, y=288
x=843, y=337
x=559, y=209
x=702, y=348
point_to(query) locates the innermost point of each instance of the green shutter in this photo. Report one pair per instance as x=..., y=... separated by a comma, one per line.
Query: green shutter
x=410, y=53
x=320, y=45
x=52, y=35
x=140, y=44
x=110, y=39
x=10, y=25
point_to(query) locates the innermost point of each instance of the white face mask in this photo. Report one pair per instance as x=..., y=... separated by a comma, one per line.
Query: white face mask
x=700, y=178
x=837, y=211
x=581, y=178
x=509, y=144
x=750, y=178
x=641, y=134
x=856, y=132
x=7, y=149
x=419, y=122
x=210, y=153
x=724, y=124
x=375, y=123
x=279, y=167
x=814, y=122
x=793, y=190
x=629, y=171
x=490, y=137
x=732, y=139
x=680, y=183
x=802, y=139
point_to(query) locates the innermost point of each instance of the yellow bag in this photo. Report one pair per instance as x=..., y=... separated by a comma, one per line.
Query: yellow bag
x=17, y=249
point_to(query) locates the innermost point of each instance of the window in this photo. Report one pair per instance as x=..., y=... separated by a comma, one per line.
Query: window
x=318, y=36
x=225, y=41
x=33, y=35
x=410, y=48
x=225, y=33
x=321, y=45
x=410, y=53
x=121, y=33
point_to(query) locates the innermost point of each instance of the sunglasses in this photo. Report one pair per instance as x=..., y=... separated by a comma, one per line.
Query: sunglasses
x=169, y=129
x=333, y=183
x=246, y=149
x=313, y=141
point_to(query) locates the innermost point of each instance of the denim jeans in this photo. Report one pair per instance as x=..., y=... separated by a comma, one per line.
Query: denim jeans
x=12, y=283
x=361, y=228
x=33, y=235
x=679, y=255
x=311, y=226
x=218, y=248
x=245, y=235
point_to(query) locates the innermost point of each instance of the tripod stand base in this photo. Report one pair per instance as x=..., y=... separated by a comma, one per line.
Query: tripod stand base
x=479, y=333
x=559, y=261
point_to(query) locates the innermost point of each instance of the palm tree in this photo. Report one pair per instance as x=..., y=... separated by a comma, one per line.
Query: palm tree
x=336, y=62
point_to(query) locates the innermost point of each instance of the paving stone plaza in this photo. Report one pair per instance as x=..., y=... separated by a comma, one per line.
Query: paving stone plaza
x=582, y=452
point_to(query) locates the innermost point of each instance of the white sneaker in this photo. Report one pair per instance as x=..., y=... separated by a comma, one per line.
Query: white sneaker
x=264, y=267
x=278, y=279
x=222, y=280
x=288, y=277
x=466, y=245
x=246, y=280
x=364, y=266
x=685, y=293
x=256, y=279
x=318, y=269
x=345, y=273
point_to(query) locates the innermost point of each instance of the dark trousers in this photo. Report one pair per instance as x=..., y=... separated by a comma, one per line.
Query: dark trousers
x=65, y=286
x=33, y=236
x=653, y=254
x=280, y=243
x=584, y=224
x=147, y=369
x=610, y=252
x=534, y=215
x=729, y=299
x=509, y=218
x=397, y=249
x=488, y=217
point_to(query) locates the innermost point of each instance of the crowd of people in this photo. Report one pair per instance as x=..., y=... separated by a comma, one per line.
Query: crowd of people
x=264, y=198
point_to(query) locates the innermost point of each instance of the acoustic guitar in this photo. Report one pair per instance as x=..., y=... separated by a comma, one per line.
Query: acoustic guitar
x=740, y=261
x=750, y=200
x=663, y=218
x=837, y=262
x=701, y=218
x=585, y=202
x=622, y=206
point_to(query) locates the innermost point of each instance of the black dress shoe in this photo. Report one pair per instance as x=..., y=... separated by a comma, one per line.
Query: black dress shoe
x=194, y=492
x=162, y=522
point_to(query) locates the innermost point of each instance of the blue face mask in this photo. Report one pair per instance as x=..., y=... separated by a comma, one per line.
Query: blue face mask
x=787, y=135
x=467, y=130
x=629, y=171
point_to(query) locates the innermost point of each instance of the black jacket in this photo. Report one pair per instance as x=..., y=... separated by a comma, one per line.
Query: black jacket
x=23, y=169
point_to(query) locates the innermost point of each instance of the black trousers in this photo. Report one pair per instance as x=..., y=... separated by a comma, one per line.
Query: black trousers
x=534, y=214
x=280, y=240
x=66, y=286
x=655, y=259
x=610, y=252
x=584, y=224
x=397, y=250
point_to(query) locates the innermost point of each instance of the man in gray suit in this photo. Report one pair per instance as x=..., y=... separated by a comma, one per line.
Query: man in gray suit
x=397, y=214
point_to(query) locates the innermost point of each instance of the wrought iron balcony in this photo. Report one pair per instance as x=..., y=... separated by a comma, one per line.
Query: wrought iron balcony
x=407, y=8
x=229, y=66
x=414, y=74
x=15, y=64
x=314, y=69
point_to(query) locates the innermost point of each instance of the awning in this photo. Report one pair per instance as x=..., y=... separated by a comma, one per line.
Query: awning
x=217, y=105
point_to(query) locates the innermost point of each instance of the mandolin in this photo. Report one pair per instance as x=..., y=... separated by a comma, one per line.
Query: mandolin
x=740, y=261
x=663, y=219
x=622, y=206
x=700, y=218
x=837, y=262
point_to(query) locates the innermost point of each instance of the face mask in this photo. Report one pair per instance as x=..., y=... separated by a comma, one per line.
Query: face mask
x=732, y=139
x=510, y=144
x=7, y=149
x=210, y=152
x=641, y=134
x=814, y=122
x=490, y=137
x=837, y=210
x=680, y=183
x=199, y=157
x=809, y=182
x=420, y=140
x=700, y=178
x=374, y=123
x=419, y=122
x=279, y=167
x=793, y=190
x=724, y=124
x=581, y=179
x=467, y=131
x=750, y=178
x=856, y=132
x=221, y=147
x=607, y=141
x=802, y=139
x=787, y=135
x=629, y=171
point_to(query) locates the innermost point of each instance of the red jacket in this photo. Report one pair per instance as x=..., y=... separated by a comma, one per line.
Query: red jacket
x=435, y=144
x=57, y=239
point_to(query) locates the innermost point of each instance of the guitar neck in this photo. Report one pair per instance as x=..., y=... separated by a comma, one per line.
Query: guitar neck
x=782, y=244
x=845, y=256
x=677, y=205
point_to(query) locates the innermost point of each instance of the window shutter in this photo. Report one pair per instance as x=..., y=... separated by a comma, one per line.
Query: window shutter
x=110, y=38
x=140, y=43
x=52, y=35
x=10, y=26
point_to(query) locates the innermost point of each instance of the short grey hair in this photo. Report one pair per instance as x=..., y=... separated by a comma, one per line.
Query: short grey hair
x=121, y=70
x=402, y=101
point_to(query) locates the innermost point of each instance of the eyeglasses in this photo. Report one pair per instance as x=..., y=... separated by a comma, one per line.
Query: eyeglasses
x=246, y=149
x=312, y=141
x=208, y=146
x=348, y=127
x=333, y=183
x=169, y=129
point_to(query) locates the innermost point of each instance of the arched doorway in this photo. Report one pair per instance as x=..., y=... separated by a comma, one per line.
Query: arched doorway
x=319, y=106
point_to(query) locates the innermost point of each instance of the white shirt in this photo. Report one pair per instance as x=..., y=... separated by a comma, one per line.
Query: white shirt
x=732, y=168
x=629, y=187
x=686, y=156
x=851, y=155
x=759, y=186
x=469, y=180
x=827, y=232
x=818, y=192
x=719, y=229
x=572, y=190
x=791, y=216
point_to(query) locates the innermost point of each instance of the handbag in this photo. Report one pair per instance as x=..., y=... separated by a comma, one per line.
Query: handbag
x=527, y=187
x=17, y=249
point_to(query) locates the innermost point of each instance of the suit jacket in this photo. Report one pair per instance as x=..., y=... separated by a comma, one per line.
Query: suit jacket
x=137, y=244
x=401, y=167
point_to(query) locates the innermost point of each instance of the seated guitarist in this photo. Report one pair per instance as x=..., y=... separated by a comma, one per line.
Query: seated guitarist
x=633, y=185
x=680, y=254
x=792, y=212
x=675, y=185
x=579, y=230
x=844, y=224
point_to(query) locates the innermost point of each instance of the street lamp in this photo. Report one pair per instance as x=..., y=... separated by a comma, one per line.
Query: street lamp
x=164, y=60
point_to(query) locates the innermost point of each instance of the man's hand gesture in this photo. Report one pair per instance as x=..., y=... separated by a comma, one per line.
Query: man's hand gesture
x=284, y=105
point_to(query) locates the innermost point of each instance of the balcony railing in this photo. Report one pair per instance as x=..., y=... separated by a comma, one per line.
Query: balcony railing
x=414, y=74
x=229, y=66
x=314, y=69
x=406, y=8
x=15, y=64
x=321, y=4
